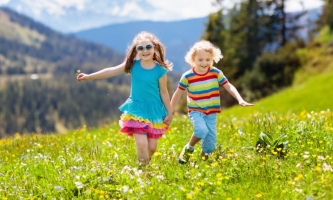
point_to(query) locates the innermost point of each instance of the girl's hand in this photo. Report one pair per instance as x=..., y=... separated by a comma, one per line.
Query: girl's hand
x=82, y=77
x=244, y=103
x=168, y=119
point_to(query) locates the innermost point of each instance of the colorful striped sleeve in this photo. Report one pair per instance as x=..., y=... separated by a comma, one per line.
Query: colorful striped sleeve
x=183, y=83
x=221, y=78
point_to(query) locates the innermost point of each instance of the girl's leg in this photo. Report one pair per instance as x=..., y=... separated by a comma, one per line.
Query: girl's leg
x=152, y=146
x=141, y=141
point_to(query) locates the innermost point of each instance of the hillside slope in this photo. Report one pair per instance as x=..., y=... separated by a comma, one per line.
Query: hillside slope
x=312, y=86
x=38, y=89
x=313, y=95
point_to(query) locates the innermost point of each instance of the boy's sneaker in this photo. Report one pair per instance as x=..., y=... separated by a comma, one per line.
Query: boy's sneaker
x=185, y=155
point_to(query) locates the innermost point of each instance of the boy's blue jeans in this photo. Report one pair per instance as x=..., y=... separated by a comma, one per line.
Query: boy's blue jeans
x=204, y=128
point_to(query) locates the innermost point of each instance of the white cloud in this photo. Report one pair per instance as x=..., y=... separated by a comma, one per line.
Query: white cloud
x=298, y=5
x=184, y=8
x=130, y=8
x=4, y=2
x=78, y=4
x=54, y=7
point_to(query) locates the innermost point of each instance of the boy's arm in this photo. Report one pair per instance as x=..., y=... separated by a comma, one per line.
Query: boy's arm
x=233, y=91
x=175, y=98
x=104, y=73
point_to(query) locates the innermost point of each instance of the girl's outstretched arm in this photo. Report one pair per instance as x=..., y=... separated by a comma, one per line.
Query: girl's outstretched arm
x=175, y=98
x=165, y=98
x=233, y=91
x=104, y=73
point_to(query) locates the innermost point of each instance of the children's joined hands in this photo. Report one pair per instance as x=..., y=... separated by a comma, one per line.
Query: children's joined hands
x=168, y=119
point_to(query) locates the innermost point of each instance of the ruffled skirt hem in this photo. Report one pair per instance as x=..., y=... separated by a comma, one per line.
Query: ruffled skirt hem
x=131, y=124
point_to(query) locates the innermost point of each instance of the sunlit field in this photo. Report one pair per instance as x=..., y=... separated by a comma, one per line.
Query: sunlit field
x=101, y=163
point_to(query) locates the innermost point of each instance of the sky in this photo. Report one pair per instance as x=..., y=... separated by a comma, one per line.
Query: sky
x=75, y=15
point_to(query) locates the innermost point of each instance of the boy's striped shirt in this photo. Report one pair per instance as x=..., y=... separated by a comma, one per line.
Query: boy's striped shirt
x=203, y=93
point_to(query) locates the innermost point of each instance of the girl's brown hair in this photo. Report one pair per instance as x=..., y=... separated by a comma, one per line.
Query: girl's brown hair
x=159, y=51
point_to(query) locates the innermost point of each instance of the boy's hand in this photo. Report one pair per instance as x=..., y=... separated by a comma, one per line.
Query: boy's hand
x=244, y=103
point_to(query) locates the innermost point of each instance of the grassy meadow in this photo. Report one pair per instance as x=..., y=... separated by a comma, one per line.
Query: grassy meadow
x=101, y=163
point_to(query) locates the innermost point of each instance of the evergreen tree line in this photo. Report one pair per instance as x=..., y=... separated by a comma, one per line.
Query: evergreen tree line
x=259, y=42
x=42, y=106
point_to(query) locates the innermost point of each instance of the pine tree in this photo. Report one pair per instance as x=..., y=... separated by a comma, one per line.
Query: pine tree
x=327, y=16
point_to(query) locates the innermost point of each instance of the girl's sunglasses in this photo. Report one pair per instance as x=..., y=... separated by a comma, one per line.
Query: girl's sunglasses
x=142, y=48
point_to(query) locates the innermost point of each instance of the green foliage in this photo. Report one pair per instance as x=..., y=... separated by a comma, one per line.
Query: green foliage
x=327, y=15
x=272, y=71
x=247, y=35
x=266, y=144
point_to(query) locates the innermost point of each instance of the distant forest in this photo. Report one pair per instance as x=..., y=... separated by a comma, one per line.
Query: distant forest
x=54, y=102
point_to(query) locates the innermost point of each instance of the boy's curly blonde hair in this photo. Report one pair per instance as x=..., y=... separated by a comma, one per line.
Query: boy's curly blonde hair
x=203, y=45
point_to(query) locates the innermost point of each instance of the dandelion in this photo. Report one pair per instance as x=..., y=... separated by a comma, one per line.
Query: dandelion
x=157, y=154
x=200, y=184
x=298, y=177
x=259, y=195
x=317, y=169
x=189, y=196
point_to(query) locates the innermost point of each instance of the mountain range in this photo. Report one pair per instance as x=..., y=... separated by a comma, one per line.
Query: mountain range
x=177, y=36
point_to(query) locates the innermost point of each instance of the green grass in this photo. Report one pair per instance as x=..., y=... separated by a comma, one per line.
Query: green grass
x=101, y=164
x=313, y=95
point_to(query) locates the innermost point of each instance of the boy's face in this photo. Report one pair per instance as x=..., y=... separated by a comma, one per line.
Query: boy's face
x=203, y=61
x=145, y=49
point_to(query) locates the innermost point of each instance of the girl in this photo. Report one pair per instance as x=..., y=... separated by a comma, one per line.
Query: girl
x=147, y=112
x=203, y=96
